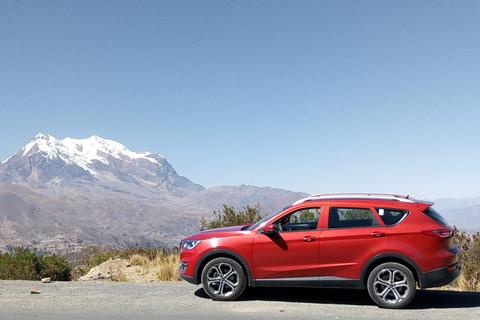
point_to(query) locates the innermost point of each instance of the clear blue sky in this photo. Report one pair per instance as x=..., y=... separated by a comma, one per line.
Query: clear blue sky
x=312, y=96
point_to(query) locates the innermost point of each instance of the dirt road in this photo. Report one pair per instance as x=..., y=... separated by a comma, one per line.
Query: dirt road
x=116, y=300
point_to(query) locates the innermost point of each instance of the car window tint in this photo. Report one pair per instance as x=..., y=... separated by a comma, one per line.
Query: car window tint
x=305, y=219
x=351, y=218
x=433, y=214
x=391, y=217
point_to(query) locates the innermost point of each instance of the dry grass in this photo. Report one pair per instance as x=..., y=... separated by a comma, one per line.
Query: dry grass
x=164, y=264
x=139, y=260
x=168, y=267
x=463, y=285
x=120, y=277
x=139, y=264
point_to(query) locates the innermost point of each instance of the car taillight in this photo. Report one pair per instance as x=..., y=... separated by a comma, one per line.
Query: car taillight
x=439, y=234
x=452, y=268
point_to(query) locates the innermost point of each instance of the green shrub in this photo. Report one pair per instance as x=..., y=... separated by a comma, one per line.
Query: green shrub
x=56, y=268
x=228, y=217
x=19, y=263
x=25, y=264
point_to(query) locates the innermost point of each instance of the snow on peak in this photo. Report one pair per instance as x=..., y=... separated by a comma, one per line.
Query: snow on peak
x=42, y=143
x=82, y=151
x=40, y=136
x=6, y=160
x=95, y=148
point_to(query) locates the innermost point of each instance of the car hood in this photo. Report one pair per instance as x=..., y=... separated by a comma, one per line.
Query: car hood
x=217, y=232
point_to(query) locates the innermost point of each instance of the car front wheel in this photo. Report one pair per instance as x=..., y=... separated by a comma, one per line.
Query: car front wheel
x=223, y=279
x=391, y=285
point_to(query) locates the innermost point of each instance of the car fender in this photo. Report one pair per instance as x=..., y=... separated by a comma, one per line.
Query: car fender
x=220, y=253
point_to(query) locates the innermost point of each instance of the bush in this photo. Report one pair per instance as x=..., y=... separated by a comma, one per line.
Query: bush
x=228, y=217
x=24, y=264
x=55, y=268
x=19, y=264
x=469, y=258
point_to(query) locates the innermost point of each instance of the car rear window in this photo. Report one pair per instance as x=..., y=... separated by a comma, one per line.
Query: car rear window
x=391, y=217
x=433, y=214
x=351, y=218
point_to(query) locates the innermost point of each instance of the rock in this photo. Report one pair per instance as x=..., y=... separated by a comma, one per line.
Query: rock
x=35, y=290
x=106, y=271
x=47, y=280
x=122, y=270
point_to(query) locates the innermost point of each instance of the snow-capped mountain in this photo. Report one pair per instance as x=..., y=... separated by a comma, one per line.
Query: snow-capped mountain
x=93, y=165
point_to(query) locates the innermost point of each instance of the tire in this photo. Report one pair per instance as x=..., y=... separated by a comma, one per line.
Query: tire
x=391, y=285
x=223, y=279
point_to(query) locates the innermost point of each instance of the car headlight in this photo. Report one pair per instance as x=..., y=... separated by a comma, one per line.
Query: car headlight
x=189, y=244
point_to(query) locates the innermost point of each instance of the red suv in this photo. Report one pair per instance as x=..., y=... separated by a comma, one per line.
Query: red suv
x=385, y=243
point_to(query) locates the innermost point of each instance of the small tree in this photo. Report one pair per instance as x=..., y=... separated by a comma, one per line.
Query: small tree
x=310, y=216
x=307, y=216
x=228, y=217
x=356, y=214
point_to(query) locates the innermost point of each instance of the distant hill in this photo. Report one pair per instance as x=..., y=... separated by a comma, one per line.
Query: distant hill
x=463, y=213
x=241, y=196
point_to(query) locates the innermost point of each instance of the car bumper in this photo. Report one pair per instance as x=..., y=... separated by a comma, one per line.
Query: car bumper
x=191, y=280
x=441, y=277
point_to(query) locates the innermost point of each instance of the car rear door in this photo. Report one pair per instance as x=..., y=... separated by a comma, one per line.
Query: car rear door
x=350, y=238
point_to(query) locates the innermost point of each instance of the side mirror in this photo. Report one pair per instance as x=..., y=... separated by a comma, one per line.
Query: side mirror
x=269, y=229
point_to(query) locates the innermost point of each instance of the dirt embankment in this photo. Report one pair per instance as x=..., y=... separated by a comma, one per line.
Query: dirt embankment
x=125, y=271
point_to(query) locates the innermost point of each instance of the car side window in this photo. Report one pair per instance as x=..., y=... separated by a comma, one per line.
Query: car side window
x=391, y=217
x=351, y=218
x=304, y=219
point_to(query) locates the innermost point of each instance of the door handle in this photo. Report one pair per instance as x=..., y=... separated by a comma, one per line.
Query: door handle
x=377, y=234
x=309, y=238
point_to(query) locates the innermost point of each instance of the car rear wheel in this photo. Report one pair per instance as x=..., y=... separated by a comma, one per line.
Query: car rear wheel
x=391, y=285
x=223, y=279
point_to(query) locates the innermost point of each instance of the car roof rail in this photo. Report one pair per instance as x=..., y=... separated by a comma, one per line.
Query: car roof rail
x=358, y=195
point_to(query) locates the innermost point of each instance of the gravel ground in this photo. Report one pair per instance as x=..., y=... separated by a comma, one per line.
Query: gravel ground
x=121, y=300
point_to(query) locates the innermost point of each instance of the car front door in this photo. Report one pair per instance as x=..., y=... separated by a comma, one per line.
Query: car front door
x=289, y=256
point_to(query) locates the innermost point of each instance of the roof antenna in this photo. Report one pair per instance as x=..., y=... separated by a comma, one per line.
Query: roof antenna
x=408, y=196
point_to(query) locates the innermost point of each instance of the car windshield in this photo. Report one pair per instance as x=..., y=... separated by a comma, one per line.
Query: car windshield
x=268, y=217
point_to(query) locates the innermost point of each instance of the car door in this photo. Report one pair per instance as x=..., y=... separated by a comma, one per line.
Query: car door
x=290, y=255
x=353, y=235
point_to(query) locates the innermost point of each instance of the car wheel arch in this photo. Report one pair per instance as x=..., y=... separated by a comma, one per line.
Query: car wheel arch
x=391, y=257
x=224, y=254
